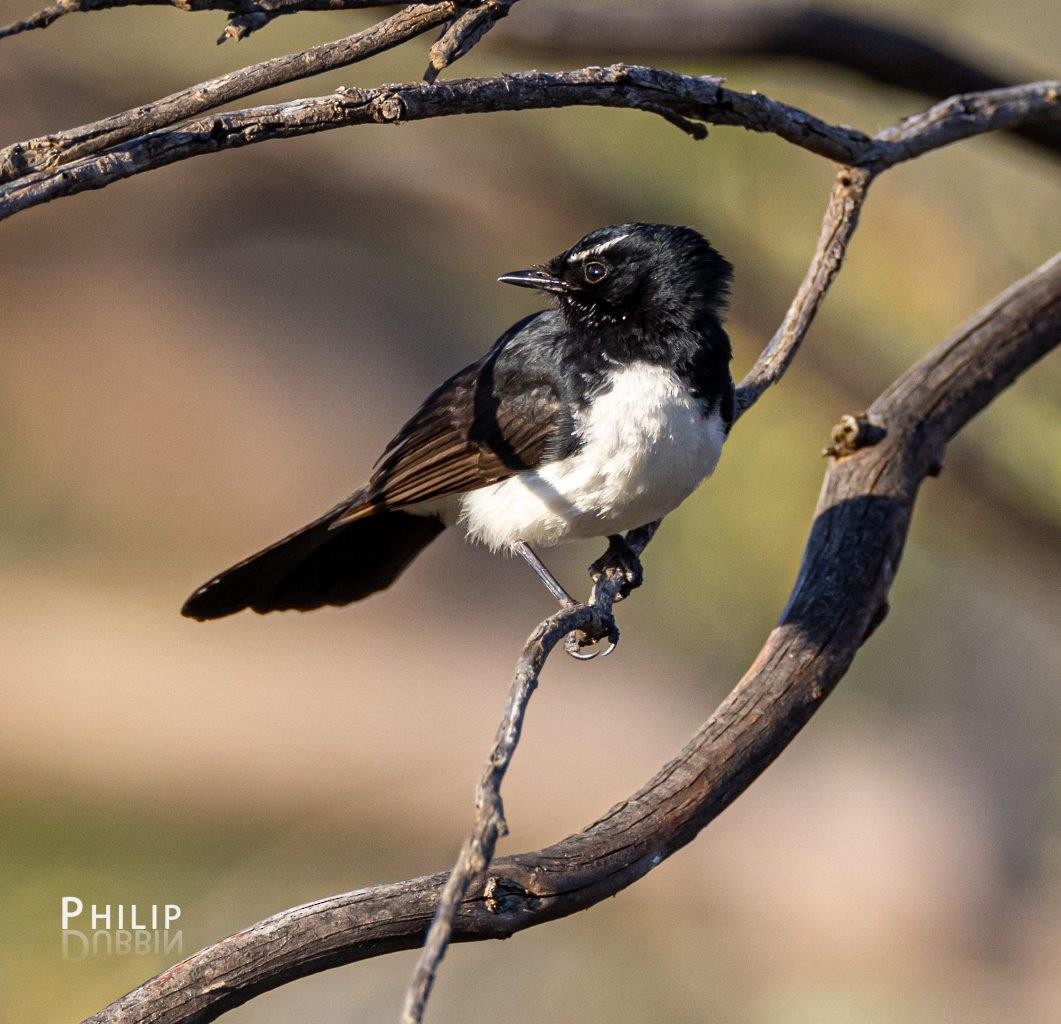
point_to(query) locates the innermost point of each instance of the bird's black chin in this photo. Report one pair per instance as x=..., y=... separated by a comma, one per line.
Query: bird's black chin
x=536, y=277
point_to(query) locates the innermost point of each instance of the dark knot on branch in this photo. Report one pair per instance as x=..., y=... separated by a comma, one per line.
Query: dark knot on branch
x=388, y=108
x=506, y=896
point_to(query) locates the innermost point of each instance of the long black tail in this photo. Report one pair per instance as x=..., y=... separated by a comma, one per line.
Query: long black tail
x=318, y=566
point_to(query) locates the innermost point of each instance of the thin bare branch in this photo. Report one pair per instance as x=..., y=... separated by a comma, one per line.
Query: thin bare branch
x=839, y=597
x=265, y=10
x=938, y=126
x=884, y=51
x=950, y=120
x=581, y=626
x=592, y=619
x=695, y=29
x=709, y=30
x=696, y=98
x=41, y=154
x=838, y=225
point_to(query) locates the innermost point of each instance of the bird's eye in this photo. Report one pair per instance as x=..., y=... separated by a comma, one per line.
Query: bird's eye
x=595, y=271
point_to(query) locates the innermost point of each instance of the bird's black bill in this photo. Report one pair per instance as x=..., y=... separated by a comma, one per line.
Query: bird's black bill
x=533, y=278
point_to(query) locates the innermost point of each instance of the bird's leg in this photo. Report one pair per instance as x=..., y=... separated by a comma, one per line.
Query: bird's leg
x=552, y=584
x=575, y=641
x=621, y=555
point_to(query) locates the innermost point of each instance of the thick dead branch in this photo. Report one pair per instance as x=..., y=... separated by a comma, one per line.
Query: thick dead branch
x=849, y=563
x=698, y=98
x=707, y=30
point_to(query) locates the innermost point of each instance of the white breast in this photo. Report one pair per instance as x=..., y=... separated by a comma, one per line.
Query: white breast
x=646, y=445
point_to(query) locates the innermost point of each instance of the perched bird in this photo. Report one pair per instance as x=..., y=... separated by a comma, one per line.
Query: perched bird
x=585, y=420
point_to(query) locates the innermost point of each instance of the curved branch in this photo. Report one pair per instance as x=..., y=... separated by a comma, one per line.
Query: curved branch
x=686, y=97
x=705, y=30
x=840, y=595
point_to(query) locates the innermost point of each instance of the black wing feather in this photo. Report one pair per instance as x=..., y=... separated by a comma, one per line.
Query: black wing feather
x=496, y=417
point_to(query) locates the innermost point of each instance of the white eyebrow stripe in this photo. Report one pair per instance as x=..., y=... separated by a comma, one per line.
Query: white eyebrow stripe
x=602, y=247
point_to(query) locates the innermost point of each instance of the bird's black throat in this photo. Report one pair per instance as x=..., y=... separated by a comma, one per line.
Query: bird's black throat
x=661, y=301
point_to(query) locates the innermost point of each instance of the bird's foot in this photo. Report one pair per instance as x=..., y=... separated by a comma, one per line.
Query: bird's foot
x=575, y=643
x=619, y=555
x=619, y=560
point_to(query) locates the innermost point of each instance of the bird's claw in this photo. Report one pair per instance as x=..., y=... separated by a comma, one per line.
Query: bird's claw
x=619, y=555
x=575, y=641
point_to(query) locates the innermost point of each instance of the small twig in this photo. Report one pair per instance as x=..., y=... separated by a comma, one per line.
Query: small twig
x=478, y=849
x=694, y=129
x=463, y=33
x=590, y=621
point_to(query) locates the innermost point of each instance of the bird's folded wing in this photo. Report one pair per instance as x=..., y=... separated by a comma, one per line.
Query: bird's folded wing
x=471, y=432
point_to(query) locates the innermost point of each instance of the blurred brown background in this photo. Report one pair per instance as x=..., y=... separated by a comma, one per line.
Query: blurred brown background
x=199, y=359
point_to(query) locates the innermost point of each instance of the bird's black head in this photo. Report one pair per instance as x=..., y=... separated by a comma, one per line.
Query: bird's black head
x=654, y=276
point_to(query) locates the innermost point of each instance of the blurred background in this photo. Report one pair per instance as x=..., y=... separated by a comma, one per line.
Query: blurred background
x=200, y=359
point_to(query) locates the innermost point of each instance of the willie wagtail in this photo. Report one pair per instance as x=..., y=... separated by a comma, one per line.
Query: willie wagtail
x=586, y=420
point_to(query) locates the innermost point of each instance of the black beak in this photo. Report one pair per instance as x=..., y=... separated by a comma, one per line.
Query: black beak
x=534, y=278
